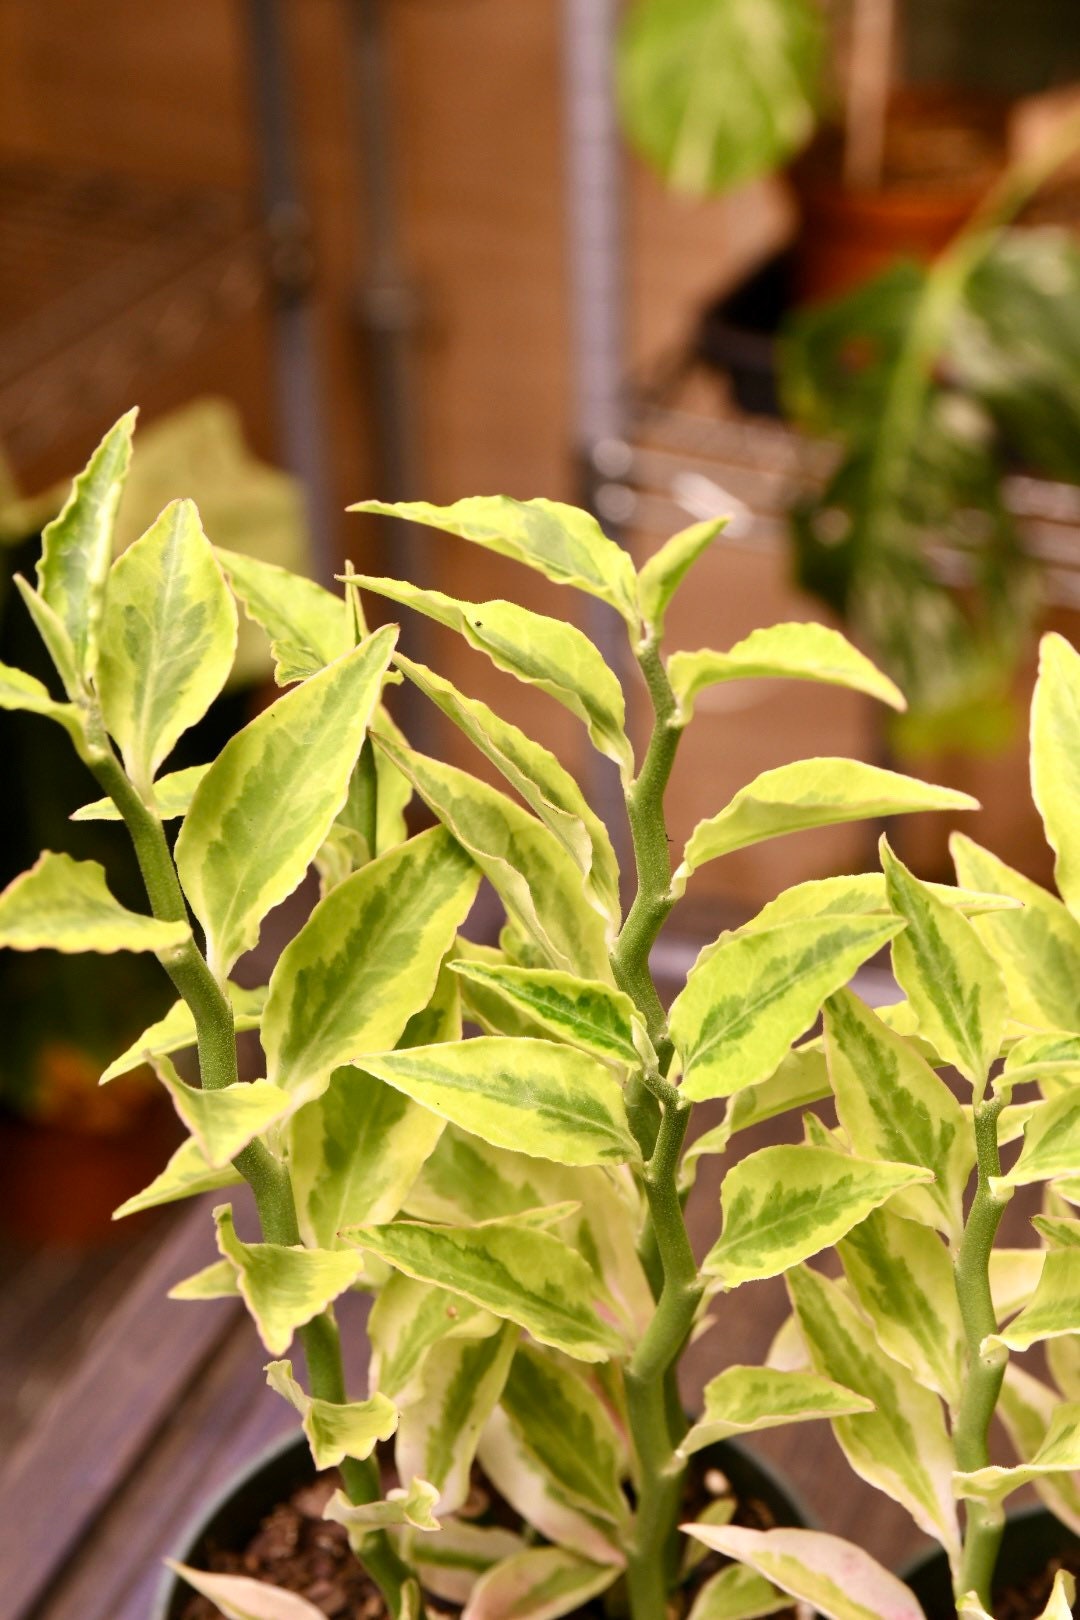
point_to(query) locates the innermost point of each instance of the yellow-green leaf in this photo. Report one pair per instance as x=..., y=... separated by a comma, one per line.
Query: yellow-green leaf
x=902, y=1446
x=833, y=1577
x=1026, y=1408
x=786, y=1203
x=660, y=575
x=168, y=638
x=450, y=1564
x=366, y=960
x=1053, y=1310
x=335, y=1429
x=238, y=1597
x=742, y=1400
x=950, y=978
x=462, y=1380
x=414, y=1506
x=801, y=1079
x=568, y=1432
x=267, y=802
x=518, y=1477
x=1055, y=759
x=861, y=895
x=176, y=1030
x=187, y=1173
x=562, y=542
x=1051, y=1145
x=170, y=796
x=1059, y=1453
x=76, y=547
x=532, y=771
x=801, y=652
x=308, y=626
x=524, y=1275
x=547, y=653
x=408, y=1318
x=749, y=998
x=581, y=1012
x=893, y=1106
x=809, y=793
x=540, y=1583
x=283, y=1288
x=225, y=1120
x=21, y=691
x=62, y=904
x=737, y=1592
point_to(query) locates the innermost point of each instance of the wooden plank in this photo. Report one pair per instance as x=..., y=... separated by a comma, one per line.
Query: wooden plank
x=68, y=1467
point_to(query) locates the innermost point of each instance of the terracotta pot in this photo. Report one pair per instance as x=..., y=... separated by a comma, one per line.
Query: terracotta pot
x=234, y=1515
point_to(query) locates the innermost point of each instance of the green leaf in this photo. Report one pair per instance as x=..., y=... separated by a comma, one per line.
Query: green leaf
x=238, y=1597
x=1051, y=1145
x=833, y=1577
x=1059, y=1453
x=463, y=1379
x=662, y=574
x=176, y=1030
x=801, y=652
x=893, y=1106
x=900, y=1273
x=561, y=542
x=267, y=802
x=283, y=1288
x=21, y=691
x=217, y=1281
x=308, y=626
x=1055, y=759
x=168, y=638
x=186, y=1174
x=581, y=1012
x=1014, y=1277
x=62, y=904
x=809, y=793
x=407, y=1319
x=366, y=960
x=861, y=896
x=523, y=1275
x=1037, y=946
x=225, y=1120
x=465, y=1181
x=533, y=772
x=547, y=653
x=76, y=547
x=1059, y=1231
x=1026, y=1408
x=537, y=882
x=530, y=1096
x=948, y=975
x=335, y=1429
x=786, y=1203
x=737, y=1593
x=743, y=1400
x=801, y=1079
x=54, y=635
x=751, y=996
x=354, y=1153
x=540, y=1583
x=170, y=796
x=450, y=1564
x=902, y=1447
x=414, y=1506
x=1054, y=1308
x=565, y=1427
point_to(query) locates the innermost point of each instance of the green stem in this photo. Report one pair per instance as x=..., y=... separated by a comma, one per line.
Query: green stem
x=659, y=1116
x=971, y=1429
x=266, y=1175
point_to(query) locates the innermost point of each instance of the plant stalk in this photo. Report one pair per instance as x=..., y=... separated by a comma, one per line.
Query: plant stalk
x=265, y=1174
x=659, y=1116
x=984, y=1522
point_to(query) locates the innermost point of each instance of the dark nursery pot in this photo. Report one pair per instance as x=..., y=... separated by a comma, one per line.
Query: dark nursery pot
x=1033, y=1541
x=233, y=1517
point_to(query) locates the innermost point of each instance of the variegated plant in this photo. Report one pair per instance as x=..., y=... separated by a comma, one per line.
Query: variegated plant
x=929, y=1312
x=513, y=1201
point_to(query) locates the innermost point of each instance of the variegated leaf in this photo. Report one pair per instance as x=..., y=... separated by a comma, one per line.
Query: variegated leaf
x=413, y=1505
x=541, y=1583
x=1014, y=1277
x=786, y=1203
x=948, y=975
x=170, y=797
x=187, y=1173
x=742, y=1400
x=216, y=1281
x=1051, y=1145
x=517, y=1476
x=176, y=1031
x=1054, y=1308
x=1026, y=1408
x=462, y=1381
x=308, y=626
x=62, y=904
x=562, y=542
x=1058, y=1453
x=335, y=1429
x=862, y=895
x=567, y=1431
x=267, y=802
x=238, y=1597
x=1055, y=759
x=737, y=1592
x=225, y=1120
x=833, y=1577
x=168, y=639
x=660, y=576
x=283, y=1288
x=748, y=1000
x=522, y=1275
x=801, y=652
x=581, y=1012
x=450, y=1564
x=893, y=1106
x=366, y=960
x=528, y=868
x=21, y=691
x=801, y=1079
x=407, y=1319
x=901, y=1447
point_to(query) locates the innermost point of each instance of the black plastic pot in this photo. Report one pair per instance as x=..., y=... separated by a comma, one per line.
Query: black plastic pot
x=1032, y=1540
x=234, y=1515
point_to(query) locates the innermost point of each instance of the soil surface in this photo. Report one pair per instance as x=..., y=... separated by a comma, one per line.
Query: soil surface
x=1028, y=1601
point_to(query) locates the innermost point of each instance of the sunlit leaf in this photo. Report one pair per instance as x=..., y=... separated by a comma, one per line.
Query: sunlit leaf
x=743, y=1400
x=308, y=626
x=176, y=1030
x=62, y=904
x=283, y=1288
x=660, y=576
x=171, y=796
x=581, y=1012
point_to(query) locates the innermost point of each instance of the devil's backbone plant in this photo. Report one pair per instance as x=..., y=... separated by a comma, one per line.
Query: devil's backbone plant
x=512, y=1201
x=930, y=1310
